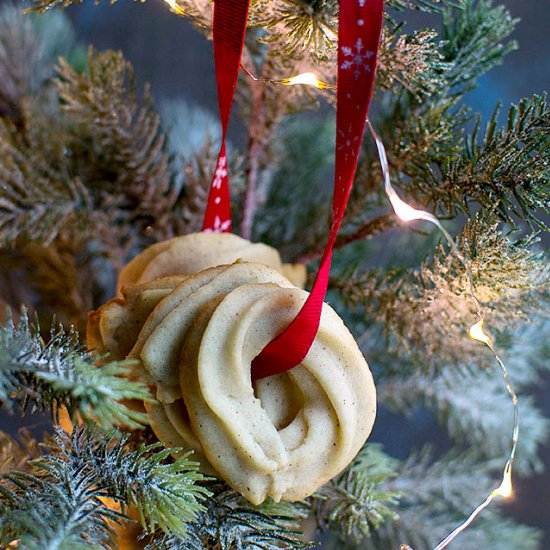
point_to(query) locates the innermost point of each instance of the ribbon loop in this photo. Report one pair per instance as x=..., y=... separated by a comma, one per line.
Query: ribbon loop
x=360, y=26
x=229, y=29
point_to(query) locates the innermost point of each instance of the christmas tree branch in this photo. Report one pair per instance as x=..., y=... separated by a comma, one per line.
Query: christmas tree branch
x=60, y=502
x=129, y=172
x=437, y=495
x=230, y=522
x=61, y=373
x=59, y=508
x=29, y=48
x=165, y=493
x=509, y=280
x=354, y=503
x=38, y=197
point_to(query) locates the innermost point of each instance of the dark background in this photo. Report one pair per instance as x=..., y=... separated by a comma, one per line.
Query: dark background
x=177, y=62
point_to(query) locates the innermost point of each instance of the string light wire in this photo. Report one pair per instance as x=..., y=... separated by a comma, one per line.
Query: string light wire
x=407, y=213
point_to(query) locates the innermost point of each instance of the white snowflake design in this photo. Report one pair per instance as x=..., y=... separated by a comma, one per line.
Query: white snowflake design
x=358, y=59
x=219, y=226
x=362, y=3
x=347, y=141
x=221, y=173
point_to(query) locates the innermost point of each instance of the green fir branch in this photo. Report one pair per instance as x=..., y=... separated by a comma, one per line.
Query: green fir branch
x=298, y=28
x=510, y=280
x=509, y=167
x=439, y=495
x=474, y=40
x=230, y=522
x=165, y=493
x=29, y=46
x=55, y=507
x=62, y=373
x=410, y=62
x=59, y=502
x=38, y=195
x=506, y=171
x=355, y=503
x=126, y=164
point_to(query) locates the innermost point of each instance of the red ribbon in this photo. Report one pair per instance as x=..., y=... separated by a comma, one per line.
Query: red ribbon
x=229, y=29
x=360, y=26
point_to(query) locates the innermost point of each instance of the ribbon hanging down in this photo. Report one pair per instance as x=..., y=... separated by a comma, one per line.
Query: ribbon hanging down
x=360, y=25
x=359, y=29
x=229, y=28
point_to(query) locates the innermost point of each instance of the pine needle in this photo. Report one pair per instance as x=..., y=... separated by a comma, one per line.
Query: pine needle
x=62, y=373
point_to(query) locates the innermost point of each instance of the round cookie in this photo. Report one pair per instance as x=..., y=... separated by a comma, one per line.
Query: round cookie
x=189, y=254
x=334, y=385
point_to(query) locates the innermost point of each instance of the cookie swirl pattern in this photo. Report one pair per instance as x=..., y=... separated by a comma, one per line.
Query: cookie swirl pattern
x=193, y=338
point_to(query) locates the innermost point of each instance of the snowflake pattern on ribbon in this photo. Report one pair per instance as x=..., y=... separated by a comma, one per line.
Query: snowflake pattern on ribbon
x=219, y=226
x=347, y=141
x=358, y=59
x=221, y=173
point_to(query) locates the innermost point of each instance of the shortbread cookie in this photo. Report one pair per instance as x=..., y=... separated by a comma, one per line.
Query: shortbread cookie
x=189, y=254
x=193, y=329
x=333, y=397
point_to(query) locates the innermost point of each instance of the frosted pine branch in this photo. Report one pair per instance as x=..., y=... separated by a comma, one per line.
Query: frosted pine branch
x=49, y=375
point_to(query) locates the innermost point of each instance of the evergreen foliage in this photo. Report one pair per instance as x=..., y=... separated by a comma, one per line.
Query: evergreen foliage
x=354, y=504
x=510, y=279
x=91, y=174
x=61, y=373
x=230, y=522
x=60, y=502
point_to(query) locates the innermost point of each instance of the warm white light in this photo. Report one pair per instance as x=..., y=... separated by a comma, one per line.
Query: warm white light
x=405, y=211
x=477, y=333
x=308, y=79
x=174, y=7
x=506, y=490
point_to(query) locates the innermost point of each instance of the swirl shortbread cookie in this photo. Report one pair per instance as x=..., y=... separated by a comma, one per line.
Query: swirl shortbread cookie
x=194, y=338
x=267, y=441
x=191, y=253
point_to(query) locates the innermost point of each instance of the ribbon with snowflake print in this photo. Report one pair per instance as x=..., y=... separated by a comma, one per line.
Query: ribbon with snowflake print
x=360, y=26
x=229, y=28
x=359, y=29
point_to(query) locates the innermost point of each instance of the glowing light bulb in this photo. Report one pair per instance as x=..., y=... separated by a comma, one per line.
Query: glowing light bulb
x=506, y=489
x=305, y=78
x=308, y=79
x=403, y=210
x=477, y=333
x=174, y=7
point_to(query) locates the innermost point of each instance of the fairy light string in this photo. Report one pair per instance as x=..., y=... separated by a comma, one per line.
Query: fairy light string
x=307, y=79
x=408, y=213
